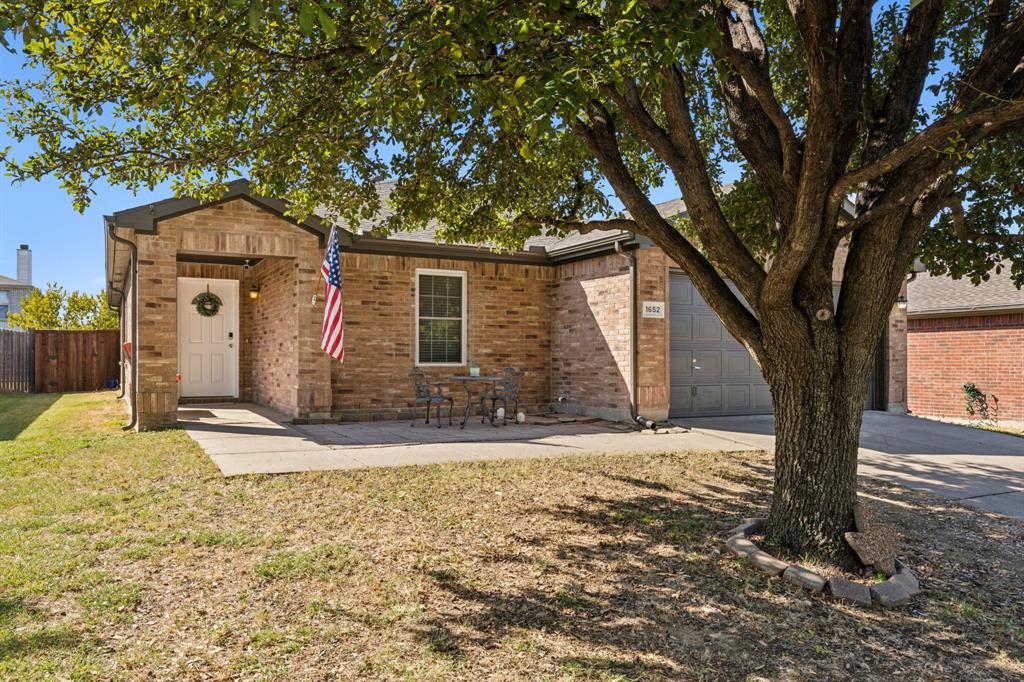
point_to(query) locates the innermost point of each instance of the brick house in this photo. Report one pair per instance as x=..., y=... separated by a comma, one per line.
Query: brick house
x=603, y=324
x=14, y=290
x=958, y=333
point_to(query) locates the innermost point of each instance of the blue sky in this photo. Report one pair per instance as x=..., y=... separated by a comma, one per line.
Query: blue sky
x=67, y=246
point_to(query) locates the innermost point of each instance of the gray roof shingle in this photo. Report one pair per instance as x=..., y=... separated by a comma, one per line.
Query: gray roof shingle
x=931, y=295
x=550, y=243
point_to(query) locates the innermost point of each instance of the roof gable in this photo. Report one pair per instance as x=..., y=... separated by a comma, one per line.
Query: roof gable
x=146, y=218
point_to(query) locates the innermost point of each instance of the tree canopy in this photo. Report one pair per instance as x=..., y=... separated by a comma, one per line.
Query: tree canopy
x=57, y=308
x=472, y=104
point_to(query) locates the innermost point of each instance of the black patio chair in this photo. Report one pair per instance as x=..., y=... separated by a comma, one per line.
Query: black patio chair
x=506, y=392
x=429, y=394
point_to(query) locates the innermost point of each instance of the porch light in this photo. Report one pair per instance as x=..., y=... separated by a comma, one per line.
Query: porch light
x=901, y=302
x=254, y=291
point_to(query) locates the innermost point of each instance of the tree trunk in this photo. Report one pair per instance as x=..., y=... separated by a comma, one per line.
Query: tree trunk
x=817, y=430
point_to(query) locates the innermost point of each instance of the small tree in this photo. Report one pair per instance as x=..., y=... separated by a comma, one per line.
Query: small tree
x=503, y=120
x=56, y=308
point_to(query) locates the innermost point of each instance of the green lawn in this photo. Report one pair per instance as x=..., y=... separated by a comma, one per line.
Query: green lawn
x=127, y=556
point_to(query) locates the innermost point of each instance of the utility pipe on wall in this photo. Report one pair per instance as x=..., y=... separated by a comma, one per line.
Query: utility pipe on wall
x=133, y=266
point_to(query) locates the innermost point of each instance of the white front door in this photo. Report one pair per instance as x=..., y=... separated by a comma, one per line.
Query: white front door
x=208, y=345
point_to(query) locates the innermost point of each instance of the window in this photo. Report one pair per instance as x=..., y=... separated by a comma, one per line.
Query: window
x=3, y=316
x=440, y=317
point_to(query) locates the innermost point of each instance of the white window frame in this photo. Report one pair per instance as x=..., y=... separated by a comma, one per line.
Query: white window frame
x=465, y=317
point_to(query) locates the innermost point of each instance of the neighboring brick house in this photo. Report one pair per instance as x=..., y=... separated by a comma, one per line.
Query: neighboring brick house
x=14, y=291
x=577, y=314
x=958, y=333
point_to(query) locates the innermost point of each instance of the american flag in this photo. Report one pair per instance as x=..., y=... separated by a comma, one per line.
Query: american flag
x=332, y=334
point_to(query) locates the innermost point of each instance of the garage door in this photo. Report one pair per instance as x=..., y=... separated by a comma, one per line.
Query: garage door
x=711, y=372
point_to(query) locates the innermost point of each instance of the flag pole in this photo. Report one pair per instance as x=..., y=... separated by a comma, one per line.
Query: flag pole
x=320, y=270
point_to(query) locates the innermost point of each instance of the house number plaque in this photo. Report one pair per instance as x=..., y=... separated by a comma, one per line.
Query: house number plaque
x=654, y=309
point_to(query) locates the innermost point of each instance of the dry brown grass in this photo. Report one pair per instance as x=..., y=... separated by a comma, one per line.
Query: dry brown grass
x=129, y=557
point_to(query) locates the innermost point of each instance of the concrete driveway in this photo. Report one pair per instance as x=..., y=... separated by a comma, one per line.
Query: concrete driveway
x=980, y=468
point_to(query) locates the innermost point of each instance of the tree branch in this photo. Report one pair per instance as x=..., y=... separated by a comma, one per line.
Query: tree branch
x=747, y=55
x=722, y=243
x=600, y=138
x=991, y=118
x=960, y=228
x=998, y=10
x=690, y=173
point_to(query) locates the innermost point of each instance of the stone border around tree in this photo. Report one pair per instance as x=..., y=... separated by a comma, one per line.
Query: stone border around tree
x=895, y=591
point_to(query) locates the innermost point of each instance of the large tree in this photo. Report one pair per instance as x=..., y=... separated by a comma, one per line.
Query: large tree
x=893, y=128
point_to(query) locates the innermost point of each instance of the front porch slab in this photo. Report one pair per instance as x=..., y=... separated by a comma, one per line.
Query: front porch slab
x=251, y=439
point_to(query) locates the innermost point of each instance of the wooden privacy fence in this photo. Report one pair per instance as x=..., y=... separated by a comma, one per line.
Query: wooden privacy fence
x=76, y=360
x=17, y=361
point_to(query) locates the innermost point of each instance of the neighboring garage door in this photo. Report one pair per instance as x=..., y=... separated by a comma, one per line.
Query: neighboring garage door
x=711, y=372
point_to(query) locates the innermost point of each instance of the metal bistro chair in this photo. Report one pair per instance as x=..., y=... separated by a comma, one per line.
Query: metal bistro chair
x=429, y=394
x=506, y=392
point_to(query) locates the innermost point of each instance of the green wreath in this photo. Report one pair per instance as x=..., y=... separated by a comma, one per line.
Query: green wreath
x=207, y=304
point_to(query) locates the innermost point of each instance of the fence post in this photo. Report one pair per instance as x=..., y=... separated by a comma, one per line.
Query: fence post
x=31, y=388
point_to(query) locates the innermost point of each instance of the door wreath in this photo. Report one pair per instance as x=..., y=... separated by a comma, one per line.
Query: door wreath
x=207, y=303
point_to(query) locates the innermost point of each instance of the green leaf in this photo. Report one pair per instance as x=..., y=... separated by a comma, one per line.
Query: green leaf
x=307, y=15
x=326, y=22
x=520, y=82
x=255, y=14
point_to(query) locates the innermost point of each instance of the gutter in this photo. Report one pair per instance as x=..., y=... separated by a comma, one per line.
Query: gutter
x=968, y=311
x=533, y=256
x=133, y=264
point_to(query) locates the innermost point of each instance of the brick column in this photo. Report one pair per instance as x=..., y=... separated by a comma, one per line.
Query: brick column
x=313, y=398
x=156, y=350
x=652, y=336
x=896, y=361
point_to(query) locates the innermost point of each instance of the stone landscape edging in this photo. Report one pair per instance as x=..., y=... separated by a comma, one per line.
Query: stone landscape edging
x=895, y=591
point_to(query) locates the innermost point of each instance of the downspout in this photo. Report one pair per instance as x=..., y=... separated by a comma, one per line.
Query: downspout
x=133, y=266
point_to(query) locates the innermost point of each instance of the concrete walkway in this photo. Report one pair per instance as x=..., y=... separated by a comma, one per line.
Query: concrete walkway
x=981, y=468
x=251, y=439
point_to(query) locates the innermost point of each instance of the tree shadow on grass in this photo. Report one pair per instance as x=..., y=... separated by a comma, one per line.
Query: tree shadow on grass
x=639, y=587
x=25, y=642
x=18, y=411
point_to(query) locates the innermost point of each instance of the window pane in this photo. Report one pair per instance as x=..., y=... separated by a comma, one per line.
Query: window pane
x=440, y=340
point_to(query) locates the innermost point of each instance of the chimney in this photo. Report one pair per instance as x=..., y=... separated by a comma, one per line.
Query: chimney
x=24, y=264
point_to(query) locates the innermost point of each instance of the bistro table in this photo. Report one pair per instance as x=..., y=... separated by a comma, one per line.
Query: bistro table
x=467, y=382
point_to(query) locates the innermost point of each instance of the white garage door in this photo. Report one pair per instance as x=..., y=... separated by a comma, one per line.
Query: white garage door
x=711, y=372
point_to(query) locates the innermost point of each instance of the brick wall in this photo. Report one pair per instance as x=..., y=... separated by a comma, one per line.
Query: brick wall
x=509, y=325
x=236, y=229
x=945, y=353
x=15, y=295
x=590, y=349
x=273, y=343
